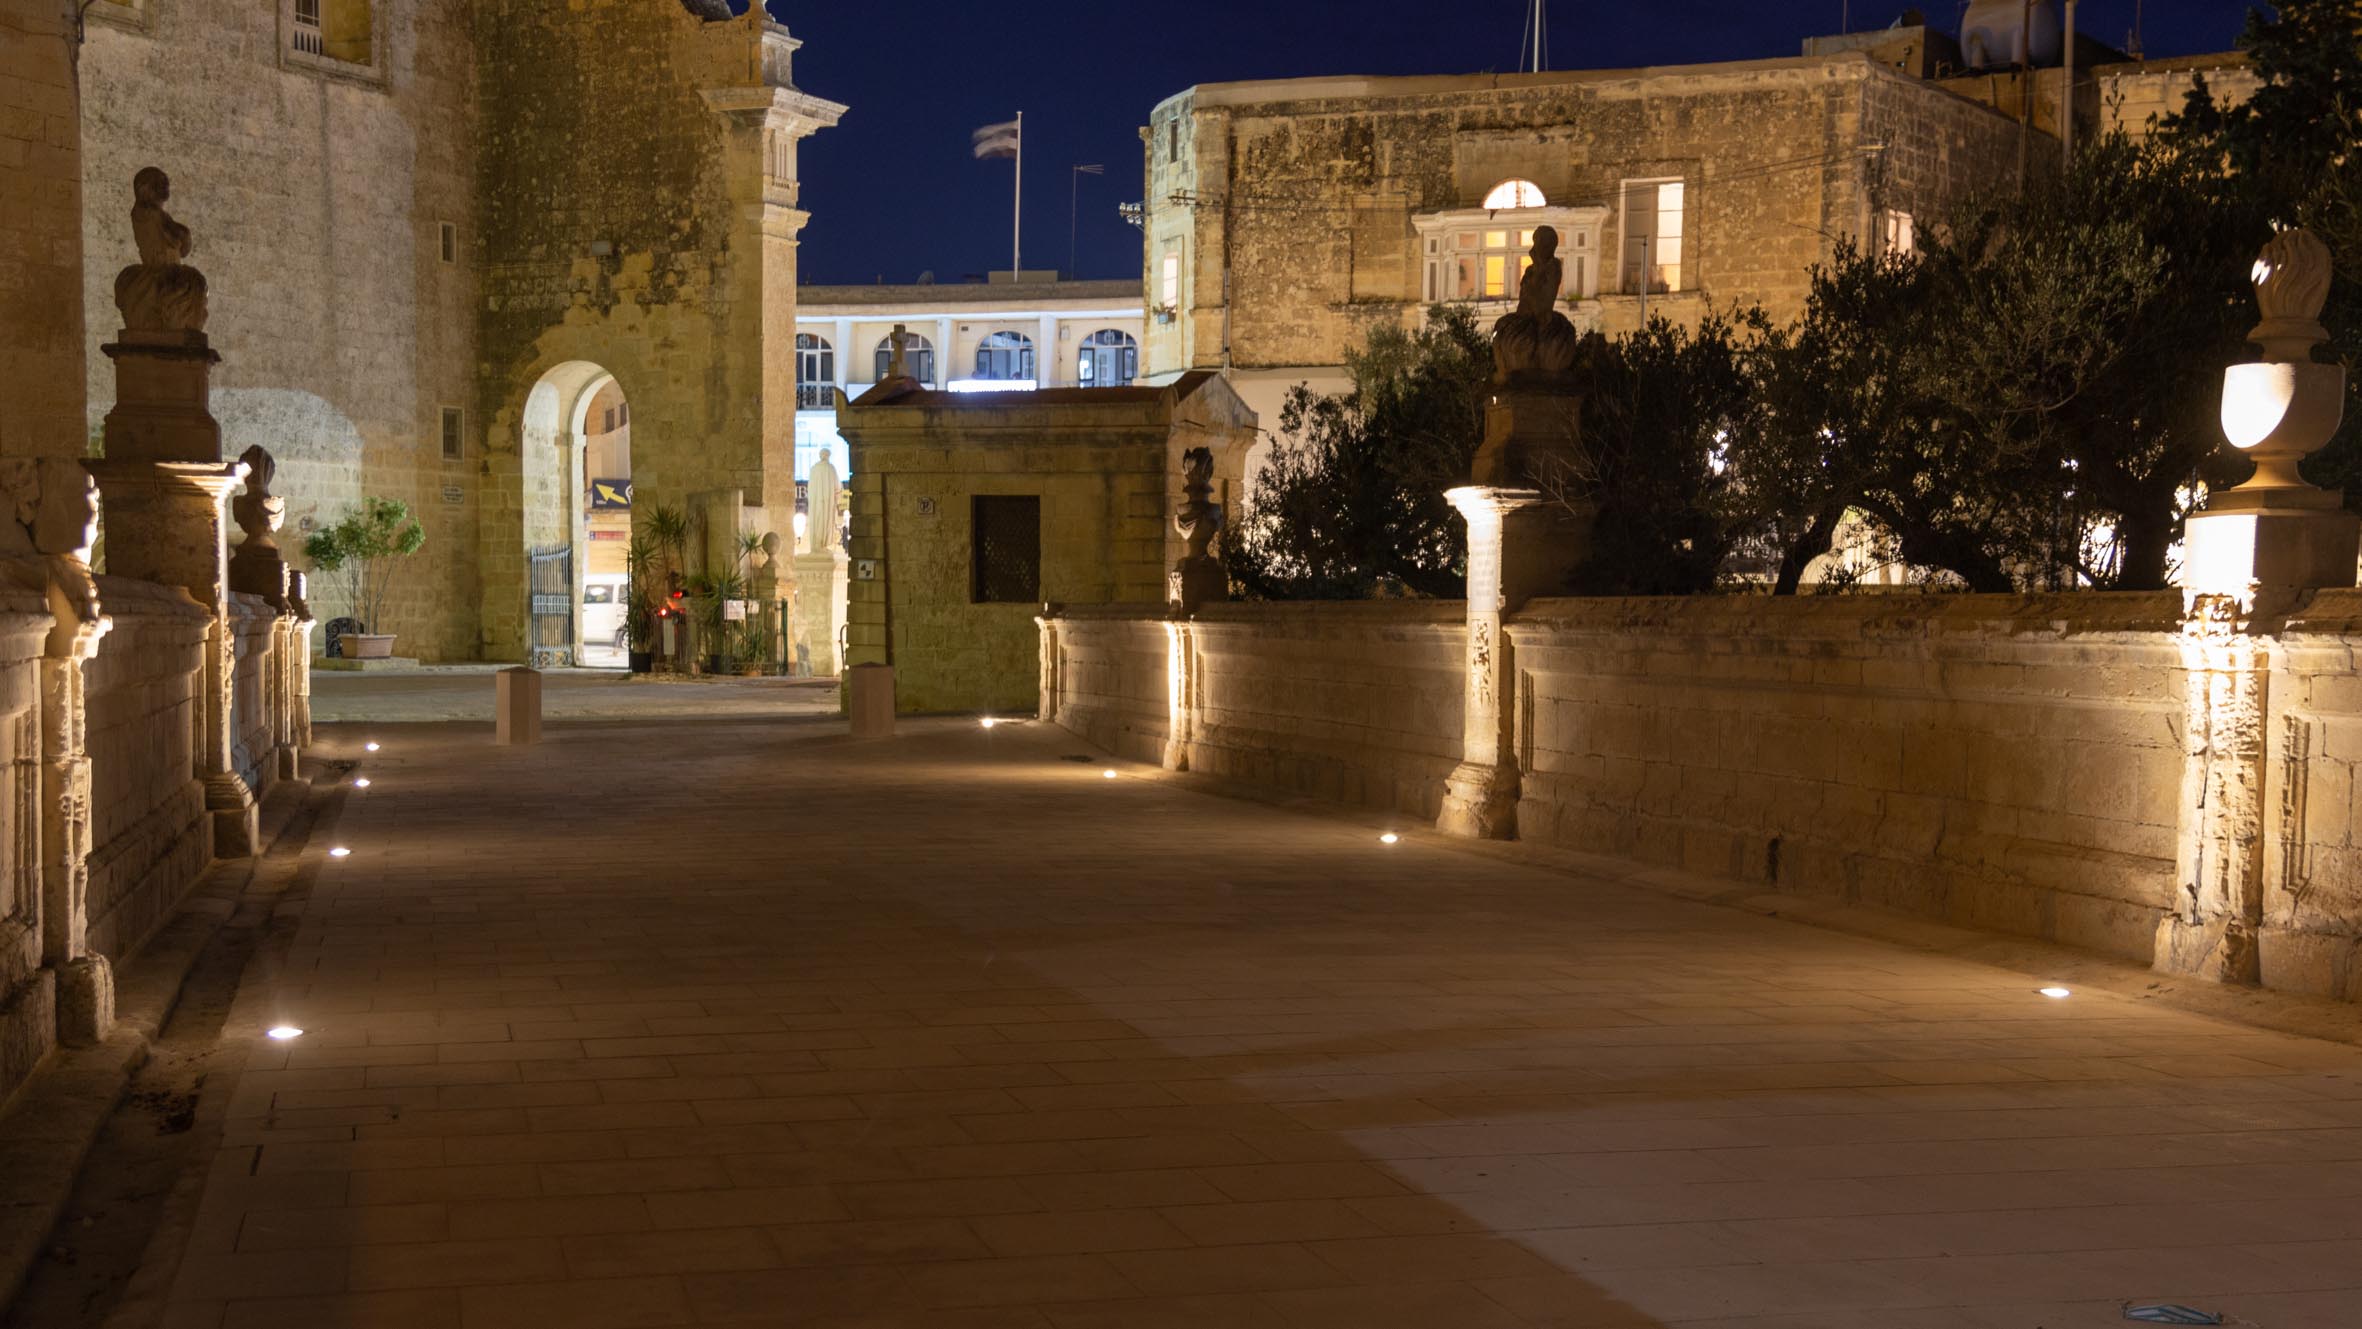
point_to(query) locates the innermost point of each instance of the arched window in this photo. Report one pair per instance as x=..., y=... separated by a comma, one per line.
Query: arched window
x=1110, y=359
x=1515, y=194
x=816, y=370
x=922, y=358
x=1005, y=357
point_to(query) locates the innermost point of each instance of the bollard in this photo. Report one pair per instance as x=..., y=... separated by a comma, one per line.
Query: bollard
x=517, y=707
x=869, y=700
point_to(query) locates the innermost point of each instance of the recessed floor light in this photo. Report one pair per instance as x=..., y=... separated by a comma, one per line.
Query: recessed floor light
x=362, y=783
x=988, y=722
x=2056, y=994
x=1389, y=838
x=285, y=1032
x=1107, y=775
x=340, y=852
x=370, y=746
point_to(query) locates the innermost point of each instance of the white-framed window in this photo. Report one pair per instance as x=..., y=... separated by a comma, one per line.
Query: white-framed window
x=1515, y=194
x=1656, y=237
x=921, y=363
x=1110, y=358
x=1481, y=254
x=332, y=32
x=454, y=434
x=1169, y=279
x=816, y=371
x=1897, y=233
x=1005, y=357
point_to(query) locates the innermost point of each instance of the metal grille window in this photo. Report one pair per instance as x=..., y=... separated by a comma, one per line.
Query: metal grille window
x=454, y=434
x=308, y=38
x=1007, y=534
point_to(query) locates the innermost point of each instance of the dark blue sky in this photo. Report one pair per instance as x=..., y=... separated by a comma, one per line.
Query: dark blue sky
x=893, y=191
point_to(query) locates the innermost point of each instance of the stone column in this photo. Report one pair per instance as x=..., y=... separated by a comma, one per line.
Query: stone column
x=1480, y=797
x=2249, y=560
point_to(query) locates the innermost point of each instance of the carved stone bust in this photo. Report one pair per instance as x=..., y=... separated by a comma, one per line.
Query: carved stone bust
x=161, y=292
x=259, y=512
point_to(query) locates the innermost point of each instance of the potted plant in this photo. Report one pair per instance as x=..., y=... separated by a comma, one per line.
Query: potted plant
x=359, y=556
x=639, y=603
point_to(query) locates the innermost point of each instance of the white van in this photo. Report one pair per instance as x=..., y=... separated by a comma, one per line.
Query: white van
x=602, y=609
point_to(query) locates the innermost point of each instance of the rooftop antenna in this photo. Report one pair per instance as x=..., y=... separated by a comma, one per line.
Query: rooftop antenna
x=1534, y=54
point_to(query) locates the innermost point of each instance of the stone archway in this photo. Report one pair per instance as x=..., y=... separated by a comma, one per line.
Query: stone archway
x=536, y=528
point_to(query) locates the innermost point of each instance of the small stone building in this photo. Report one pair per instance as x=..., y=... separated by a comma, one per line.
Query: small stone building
x=972, y=510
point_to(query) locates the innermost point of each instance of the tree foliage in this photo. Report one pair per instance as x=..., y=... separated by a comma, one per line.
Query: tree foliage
x=363, y=550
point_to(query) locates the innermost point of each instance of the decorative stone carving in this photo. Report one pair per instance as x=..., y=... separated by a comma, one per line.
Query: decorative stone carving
x=1199, y=578
x=1537, y=339
x=898, y=353
x=161, y=293
x=2291, y=287
x=258, y=568
x=53, y=504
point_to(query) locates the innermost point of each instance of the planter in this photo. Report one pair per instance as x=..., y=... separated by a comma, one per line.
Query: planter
x=367, y=646
x=643, y=662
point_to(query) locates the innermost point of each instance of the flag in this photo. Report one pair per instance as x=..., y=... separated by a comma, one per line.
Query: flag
x=997, y=140
x=1091, y=170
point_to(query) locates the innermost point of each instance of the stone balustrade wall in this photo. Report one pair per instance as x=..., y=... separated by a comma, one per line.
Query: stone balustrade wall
x=28, y=992
x=144, y=692
x=253, y=703
x=2018, y=764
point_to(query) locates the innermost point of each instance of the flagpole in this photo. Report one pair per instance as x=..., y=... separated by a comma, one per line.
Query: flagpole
x=1017, y=222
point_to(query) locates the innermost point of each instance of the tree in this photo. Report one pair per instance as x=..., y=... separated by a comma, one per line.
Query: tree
x=363, y=550
x=1350, y=504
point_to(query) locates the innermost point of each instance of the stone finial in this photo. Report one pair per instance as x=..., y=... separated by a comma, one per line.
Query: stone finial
x=161, y=292
x=898, y=352
x=2292, y=279
x=259, y=512
x=1537, y=339
x=1199, y=578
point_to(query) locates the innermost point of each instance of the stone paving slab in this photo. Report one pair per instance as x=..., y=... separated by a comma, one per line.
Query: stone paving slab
x=736, y=1022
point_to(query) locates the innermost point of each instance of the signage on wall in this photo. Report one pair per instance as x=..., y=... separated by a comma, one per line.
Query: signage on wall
x=453, y=494
x=865, y=569
x=926, y=507
x=611, y=495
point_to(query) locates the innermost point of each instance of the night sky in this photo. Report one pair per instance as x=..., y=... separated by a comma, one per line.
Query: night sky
x=893, y=191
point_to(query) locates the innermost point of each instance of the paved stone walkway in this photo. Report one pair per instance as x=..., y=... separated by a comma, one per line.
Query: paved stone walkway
x=737, y=1023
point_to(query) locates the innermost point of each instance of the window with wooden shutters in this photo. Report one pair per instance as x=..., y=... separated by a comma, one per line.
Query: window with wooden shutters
x=1006, y=532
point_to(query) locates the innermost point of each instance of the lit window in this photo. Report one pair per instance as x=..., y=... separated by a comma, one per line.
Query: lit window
x=1110, y=359
x=340, y=30
x=921, y=362
x=1514, y=194
x=1005, y=357
x=1172, y=280
x=816, y=371
x=1655, y=242
x=1897, y=233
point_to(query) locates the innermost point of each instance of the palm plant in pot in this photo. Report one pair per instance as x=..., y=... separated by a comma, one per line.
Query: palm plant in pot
x=639, y=602
x=359, y=556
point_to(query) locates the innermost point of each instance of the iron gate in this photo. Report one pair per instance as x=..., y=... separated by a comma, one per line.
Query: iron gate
x=553, y=606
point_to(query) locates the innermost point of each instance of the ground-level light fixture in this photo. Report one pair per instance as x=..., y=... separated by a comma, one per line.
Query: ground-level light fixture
x=2056, y=993
x=1108, y=774
x=284, y=1033
x=1389, y=838
x=361, y=783
x=340, y=852
x=988, y=722
x=370, y=747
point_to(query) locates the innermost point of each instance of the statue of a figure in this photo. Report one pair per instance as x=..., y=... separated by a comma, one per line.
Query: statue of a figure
x=1537, y=339
x=1199, y=577
x=160, y=293
x=898, y=356
x=258, y=511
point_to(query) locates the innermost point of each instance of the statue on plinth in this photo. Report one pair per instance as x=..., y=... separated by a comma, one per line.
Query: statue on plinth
x=257, y=567
x=1537, y=339
x=161, y=292
x=1199, y=578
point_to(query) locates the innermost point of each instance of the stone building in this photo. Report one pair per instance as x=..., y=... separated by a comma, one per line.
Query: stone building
x=970, y=510
x=456, y=225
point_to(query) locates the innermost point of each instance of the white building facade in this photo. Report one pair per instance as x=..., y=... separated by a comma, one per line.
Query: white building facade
x=971, y=337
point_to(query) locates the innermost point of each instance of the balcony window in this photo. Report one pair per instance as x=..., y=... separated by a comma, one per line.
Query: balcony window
x=1005, y=357
x=816, y=372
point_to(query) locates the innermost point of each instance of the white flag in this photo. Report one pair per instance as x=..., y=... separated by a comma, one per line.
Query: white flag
x=997, y=140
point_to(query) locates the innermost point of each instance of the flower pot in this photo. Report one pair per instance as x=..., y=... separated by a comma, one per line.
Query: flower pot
x=643, y=662
x=367, y=646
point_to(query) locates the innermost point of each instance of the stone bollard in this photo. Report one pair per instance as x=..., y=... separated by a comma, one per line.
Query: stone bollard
x=517, y=708
x=869, y=700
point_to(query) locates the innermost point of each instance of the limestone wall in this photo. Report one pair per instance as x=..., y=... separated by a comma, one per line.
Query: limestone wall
x=41, y=355
x=28, y=997
x=1105, y=677
x=2312, y=852
x=317, y=190
x=2000, y=762
x=150, y=837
